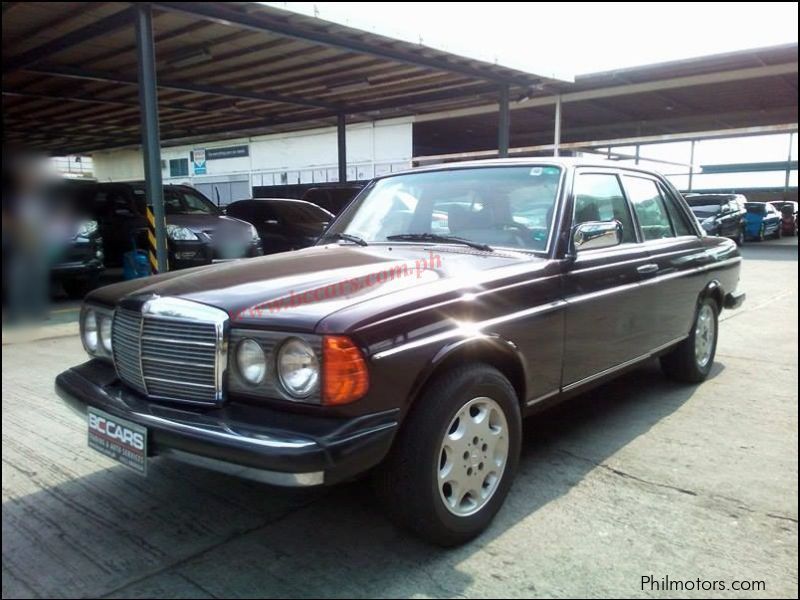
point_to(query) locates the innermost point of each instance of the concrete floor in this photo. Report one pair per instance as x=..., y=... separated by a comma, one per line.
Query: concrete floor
x=641, y=477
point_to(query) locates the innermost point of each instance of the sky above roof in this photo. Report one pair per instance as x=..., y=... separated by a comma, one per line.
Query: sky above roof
x=565, y=39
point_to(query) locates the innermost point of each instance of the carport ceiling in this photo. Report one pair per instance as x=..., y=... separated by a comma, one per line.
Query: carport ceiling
x=745, y=89
x=224, y=69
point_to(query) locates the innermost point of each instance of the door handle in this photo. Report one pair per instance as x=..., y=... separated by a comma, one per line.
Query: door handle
x=647, y=269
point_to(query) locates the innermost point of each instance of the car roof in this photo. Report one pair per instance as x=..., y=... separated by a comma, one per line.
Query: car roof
x=274, y=200
x=559, y=161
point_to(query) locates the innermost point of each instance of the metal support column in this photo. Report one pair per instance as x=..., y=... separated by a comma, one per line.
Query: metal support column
x=557, y=128
x=503, y=123
x=636, y=155
x=788, y=170
x=151, y=145
x=341, y=141
x=691, y=165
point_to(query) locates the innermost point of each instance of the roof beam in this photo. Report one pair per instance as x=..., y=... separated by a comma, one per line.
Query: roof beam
x=646, y=139
x=183, y=86
x=627, y=89
x=35, y=55
x=262, y=21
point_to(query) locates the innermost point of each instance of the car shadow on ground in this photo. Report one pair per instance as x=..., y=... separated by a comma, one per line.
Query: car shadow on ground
x=184, y=531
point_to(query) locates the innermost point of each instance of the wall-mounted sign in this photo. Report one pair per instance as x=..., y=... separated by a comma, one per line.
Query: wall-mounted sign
x=227, y=152
x=199, y=161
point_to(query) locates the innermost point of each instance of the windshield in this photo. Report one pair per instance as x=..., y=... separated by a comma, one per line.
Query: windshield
x=180, y=201
x=500, y=206
x=704, y=211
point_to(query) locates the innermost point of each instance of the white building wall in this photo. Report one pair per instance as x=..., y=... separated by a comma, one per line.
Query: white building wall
x=297, y=157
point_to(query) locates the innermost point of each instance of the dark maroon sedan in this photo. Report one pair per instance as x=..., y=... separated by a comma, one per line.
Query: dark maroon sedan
x=440, y=308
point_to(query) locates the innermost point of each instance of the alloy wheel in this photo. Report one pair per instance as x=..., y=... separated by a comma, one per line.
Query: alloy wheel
x=472, y=456
x=704, y=334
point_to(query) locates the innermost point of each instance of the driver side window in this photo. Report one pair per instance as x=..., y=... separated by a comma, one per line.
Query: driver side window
x=599, y=197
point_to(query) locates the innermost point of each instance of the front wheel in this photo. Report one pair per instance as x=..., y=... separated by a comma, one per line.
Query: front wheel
x=692, y=359
x=454, y=460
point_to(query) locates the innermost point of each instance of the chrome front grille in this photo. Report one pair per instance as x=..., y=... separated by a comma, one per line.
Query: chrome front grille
x=173, y=349
x=126, y=345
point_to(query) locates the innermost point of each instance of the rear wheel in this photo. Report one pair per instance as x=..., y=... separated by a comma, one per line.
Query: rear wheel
x=692, y=359
x=455, y=458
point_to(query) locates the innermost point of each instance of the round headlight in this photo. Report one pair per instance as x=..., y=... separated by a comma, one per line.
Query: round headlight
x=90, y=330
x=298, y=367
x=105, y=332
x=250, y=361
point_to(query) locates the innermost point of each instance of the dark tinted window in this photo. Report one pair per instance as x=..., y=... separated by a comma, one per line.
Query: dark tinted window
x=300, y=212
x=247, y=211
x=756, y=209
x=599, y=197
x=650, y=209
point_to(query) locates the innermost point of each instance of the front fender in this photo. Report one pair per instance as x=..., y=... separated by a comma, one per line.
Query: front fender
x=491, y=349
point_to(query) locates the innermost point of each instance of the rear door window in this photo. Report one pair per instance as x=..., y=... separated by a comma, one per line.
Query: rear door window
x=651, y=211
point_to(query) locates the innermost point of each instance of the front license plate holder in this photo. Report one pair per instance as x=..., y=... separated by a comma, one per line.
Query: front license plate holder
x=119, y=439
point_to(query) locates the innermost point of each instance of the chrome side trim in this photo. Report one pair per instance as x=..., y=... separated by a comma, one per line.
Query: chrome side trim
x=251, y=473
x=472, y=329
x=623, y=365
x=452, y=333
x=538, y=399
x=653, y=280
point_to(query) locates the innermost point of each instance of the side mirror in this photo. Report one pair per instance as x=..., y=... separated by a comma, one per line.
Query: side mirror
x=596, y=234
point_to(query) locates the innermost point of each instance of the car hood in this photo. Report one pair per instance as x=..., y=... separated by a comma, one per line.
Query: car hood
x=296, y=290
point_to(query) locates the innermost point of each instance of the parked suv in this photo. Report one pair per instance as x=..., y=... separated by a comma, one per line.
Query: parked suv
x=404, y=351
x=720, y=214
x=198, y=232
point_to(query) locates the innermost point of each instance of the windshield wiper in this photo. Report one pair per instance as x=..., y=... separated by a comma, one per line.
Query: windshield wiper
x=435, y=237
x=346, y=237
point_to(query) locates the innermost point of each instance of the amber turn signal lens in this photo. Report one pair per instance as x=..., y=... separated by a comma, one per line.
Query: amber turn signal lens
x=344, y=371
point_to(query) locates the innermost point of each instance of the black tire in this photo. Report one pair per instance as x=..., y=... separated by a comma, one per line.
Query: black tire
x=76, y=289
x=408, y=483
x=779, y=232
x=682, y=363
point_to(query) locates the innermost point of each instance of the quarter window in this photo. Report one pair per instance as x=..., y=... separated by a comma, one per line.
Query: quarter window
x=650, y=208
x=678, y=216
x=599, y=197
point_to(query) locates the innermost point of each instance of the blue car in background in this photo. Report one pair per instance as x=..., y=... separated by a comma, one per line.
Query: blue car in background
x=762, y=221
